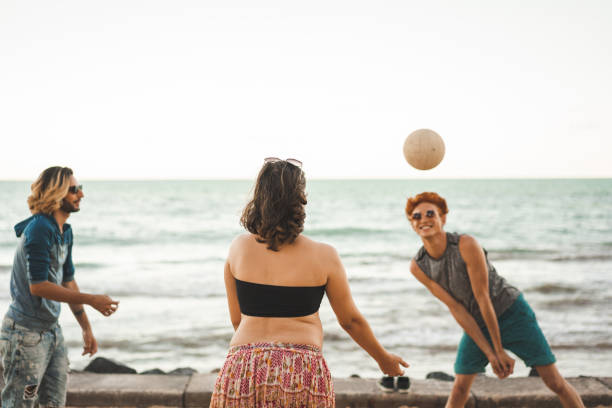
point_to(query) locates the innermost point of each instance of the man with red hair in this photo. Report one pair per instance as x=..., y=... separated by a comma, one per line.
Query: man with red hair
x=493, y=313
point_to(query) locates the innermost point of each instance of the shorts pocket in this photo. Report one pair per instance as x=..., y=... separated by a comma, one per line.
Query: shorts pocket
x=30, y=338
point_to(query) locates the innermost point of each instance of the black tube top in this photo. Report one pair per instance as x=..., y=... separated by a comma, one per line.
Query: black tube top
x=257, y=299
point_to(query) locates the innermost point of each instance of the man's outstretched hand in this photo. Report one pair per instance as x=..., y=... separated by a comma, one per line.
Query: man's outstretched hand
x=104, y=304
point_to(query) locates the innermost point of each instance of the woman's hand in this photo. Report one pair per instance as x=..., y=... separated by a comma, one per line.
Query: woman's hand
x=390, y=365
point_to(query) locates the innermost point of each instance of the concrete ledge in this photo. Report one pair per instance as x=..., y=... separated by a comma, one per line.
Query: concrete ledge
x=121, y=390
x=129, y=390
x=594, y=391
x=607, y=381
x=359, y=392
x=531, y=392
x=199, y=390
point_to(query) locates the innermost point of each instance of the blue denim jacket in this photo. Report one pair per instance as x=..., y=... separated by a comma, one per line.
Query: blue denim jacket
x=43, y=254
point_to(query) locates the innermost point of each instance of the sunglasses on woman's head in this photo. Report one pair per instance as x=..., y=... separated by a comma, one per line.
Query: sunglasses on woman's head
x=294, y=162
x=75, y=189
x=418, y=215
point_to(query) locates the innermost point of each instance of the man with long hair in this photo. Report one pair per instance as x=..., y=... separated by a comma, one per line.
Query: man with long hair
x=31, y=342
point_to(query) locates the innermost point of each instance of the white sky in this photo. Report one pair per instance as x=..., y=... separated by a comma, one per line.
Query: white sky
x=207, y=89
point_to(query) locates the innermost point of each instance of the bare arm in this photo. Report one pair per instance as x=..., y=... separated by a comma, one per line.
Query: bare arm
x=353, y=322
x=474, y=258
x=232, y=297
x=90, y=344
x=461, y=315
x=52, y=291
x=77, y=308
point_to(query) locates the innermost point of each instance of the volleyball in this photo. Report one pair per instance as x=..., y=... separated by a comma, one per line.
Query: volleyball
x=424, y=149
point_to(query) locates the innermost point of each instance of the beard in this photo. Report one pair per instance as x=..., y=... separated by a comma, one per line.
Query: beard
x=69, y=207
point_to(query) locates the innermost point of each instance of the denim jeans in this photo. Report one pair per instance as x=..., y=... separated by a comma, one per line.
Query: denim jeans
x=35, y=366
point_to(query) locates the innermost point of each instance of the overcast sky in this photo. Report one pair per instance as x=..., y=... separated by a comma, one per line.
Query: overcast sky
x=207, y=89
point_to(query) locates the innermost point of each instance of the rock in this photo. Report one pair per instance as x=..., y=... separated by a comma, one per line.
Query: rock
x=103, y=365
x=152, y=371
x=183, y=371
x=215, y=370
x=439, y=375
x=354, y=376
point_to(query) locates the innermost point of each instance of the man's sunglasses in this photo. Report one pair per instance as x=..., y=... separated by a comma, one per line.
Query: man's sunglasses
x=75, y=189
x=295, y=162
x=417, y=215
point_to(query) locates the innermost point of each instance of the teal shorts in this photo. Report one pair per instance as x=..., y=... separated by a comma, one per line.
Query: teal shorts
x=520, y=333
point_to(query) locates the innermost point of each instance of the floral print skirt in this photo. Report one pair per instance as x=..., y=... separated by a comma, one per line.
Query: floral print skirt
x=274, y=375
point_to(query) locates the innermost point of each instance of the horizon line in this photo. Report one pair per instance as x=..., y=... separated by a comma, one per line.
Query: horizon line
x=340, y=178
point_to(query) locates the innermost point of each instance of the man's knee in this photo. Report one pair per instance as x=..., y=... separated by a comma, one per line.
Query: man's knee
x=461, y=387
x=556, y=384
x=552, y=378
x=30, y=391
x=20, y=394
x=23, y=368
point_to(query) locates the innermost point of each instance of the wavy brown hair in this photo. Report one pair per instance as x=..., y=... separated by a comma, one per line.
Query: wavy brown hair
x=426, y=197
x=276, y=213
x=49, y=190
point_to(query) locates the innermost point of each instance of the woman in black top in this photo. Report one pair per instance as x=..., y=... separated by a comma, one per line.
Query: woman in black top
x=275, y=279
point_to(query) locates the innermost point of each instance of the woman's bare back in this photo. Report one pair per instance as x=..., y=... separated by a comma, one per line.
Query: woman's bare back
x=303, y=263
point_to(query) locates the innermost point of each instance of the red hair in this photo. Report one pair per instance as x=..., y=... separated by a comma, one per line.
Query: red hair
x=426, y=197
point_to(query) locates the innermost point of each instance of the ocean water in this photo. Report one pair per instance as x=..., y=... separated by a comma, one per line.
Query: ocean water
x=159, y=247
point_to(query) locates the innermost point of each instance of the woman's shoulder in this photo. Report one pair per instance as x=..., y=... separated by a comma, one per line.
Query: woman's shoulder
x=241, y=241
x=241, y=237
x=322, y=248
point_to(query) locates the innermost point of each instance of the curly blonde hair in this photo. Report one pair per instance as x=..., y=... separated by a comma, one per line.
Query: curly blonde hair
x=49, y=190
x=276, y=213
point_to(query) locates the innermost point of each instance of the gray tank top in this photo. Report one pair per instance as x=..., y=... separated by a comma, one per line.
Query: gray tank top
x=450, y=272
